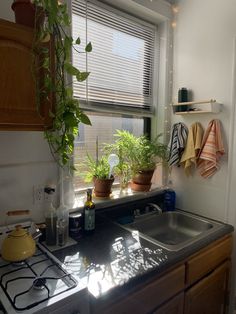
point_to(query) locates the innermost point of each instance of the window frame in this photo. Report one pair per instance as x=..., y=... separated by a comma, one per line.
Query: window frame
x=161, y=16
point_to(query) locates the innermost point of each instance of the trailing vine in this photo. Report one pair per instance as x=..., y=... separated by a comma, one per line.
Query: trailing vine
x=67, y=113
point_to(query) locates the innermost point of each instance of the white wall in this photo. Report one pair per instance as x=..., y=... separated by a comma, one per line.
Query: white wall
x=203, y=62
x=25, y=161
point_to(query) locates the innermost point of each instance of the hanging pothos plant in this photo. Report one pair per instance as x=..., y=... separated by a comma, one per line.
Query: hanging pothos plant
x=67, y=114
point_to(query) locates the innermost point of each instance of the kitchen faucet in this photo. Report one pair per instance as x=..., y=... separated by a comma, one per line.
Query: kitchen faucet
x=150, y=208
x=155, y=207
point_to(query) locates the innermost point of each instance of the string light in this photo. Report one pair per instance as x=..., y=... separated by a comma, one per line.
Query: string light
x=175, y=9
x=174, y=24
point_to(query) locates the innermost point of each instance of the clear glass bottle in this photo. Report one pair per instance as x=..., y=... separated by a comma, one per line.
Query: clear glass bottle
x=89, y=213
x=62, y=225
x=62, y=216
x=50, y=217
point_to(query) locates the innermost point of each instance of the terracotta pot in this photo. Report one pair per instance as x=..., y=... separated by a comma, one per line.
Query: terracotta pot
x=142, y=180
x=25, y=13
x=140, y=187
x=102, y=187
x=143, y=177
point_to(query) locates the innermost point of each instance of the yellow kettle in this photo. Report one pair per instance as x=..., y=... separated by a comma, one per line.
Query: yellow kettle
x=18, y=245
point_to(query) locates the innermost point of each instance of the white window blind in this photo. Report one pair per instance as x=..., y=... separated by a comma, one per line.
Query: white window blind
x=121, y=62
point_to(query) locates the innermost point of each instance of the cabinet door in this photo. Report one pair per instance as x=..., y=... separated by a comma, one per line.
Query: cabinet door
x=207, y=260
x=18, y=110
x=209, y=296
x=174, y=306
x=146, y=299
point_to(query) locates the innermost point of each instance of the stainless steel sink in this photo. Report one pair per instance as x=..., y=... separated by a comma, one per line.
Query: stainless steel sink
x=173, y=230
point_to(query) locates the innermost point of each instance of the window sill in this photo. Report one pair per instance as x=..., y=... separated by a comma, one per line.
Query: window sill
x=117, y=198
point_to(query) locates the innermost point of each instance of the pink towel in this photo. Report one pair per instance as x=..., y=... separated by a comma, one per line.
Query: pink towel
x=212, y=149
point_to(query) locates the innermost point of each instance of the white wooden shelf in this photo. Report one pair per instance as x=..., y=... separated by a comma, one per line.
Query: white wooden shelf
x=209, y=106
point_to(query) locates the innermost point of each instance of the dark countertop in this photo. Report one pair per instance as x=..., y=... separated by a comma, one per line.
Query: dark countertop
x=113, y=258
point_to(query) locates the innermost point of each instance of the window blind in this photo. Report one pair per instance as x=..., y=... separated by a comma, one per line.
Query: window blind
x=121, y=62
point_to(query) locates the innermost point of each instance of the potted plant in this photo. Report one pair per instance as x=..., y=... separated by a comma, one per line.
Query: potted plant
x=97, y=171
x=24, y=12
x=139, y=155
x=147, y=154
x=67, y=113
x=123, y=148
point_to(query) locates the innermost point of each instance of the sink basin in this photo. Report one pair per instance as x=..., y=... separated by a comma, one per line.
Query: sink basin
x=173, y=230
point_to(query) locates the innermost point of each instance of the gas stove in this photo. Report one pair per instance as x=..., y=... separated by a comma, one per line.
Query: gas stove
x=40, y=284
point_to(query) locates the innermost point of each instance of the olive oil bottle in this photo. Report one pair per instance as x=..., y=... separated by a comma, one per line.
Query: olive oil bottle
x=89, y=214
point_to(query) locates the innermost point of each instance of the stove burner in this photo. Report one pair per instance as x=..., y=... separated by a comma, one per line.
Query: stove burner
x=34, y=281
x=18, y=264
x=39, y=283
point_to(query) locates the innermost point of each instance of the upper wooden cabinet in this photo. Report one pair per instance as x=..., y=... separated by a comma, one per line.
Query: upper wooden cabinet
x=18, y=110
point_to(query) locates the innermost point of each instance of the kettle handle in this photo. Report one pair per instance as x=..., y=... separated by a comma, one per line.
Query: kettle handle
x=18, y=212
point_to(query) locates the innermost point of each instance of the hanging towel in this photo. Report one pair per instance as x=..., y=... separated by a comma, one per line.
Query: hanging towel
x=212, y=149
x=177, y=143
x=193, y=146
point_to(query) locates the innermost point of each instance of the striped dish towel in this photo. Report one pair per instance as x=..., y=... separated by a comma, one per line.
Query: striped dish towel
x=177, y=143
x=212, y=149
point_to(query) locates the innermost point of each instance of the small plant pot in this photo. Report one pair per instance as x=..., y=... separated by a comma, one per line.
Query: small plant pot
x=143, y=177
x=102, y=187
x=140, y=187
x=25, y=13
x=142, y=181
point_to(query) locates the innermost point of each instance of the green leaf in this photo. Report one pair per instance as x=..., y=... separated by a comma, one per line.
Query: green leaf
x=82, y=76
x=88, y=47
x=70, y=119
x=69, y=92
x=85, y=119
x=78, y=41
x=51, y=114
x=68, y=42
x=70, y=69
x=46, y=63
x=66, y=19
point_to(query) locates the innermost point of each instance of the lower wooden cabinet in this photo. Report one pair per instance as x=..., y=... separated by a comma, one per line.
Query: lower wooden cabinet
x=146, y=299
x=174, y=306
x=198, y=286
x=209, y=295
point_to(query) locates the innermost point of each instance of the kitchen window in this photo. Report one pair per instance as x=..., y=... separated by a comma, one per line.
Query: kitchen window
x=119, y=91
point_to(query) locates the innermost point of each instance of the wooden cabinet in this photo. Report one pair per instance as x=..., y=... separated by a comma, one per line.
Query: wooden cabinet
x=18, y=110
x=151, y=295
x=207, y=260
x=199, y=285
x=174, y=306
x=209, y=295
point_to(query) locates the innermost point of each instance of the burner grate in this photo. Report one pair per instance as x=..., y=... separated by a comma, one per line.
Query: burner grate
x=40, y=267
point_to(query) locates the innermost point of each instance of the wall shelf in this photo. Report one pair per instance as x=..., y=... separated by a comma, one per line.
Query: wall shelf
x=192, y=107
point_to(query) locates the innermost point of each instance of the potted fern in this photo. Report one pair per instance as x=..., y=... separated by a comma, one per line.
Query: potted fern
x=138, y=156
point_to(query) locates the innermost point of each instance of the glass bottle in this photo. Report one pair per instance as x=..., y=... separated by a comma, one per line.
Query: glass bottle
x=50, y=218
x=62, y=217
x=62, y=225
x=89, y=213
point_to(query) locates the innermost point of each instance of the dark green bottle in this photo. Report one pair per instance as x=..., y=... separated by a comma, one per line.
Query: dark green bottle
x=89, y=214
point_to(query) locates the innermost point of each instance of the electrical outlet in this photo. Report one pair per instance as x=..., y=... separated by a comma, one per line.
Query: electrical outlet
x=38, y=194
